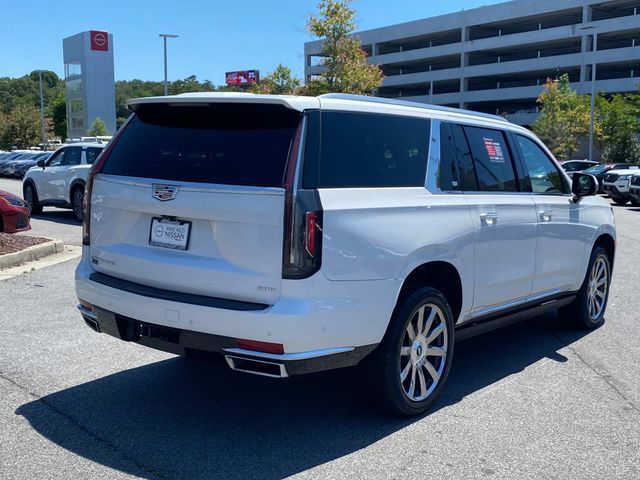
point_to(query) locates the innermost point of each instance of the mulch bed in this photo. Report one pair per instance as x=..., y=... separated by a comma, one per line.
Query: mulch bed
x=11, y=242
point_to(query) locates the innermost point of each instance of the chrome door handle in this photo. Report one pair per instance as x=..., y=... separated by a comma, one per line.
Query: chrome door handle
x=546, y=216
x=488, y=219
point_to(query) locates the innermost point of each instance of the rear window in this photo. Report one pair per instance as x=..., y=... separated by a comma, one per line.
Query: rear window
x=92, y=153
x=369, y=150
x=230, y=144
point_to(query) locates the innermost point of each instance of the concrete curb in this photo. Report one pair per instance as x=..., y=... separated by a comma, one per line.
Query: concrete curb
x=31, y=254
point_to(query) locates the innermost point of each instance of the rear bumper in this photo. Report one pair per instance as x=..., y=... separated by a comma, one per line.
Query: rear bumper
x=313, y=314
x=177, y=341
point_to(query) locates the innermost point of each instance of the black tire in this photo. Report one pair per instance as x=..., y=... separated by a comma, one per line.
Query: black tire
x=386, y=366
x=620, y=201
x=581, y=313
x=635, y=203
x=77, y=202
x=30, y=195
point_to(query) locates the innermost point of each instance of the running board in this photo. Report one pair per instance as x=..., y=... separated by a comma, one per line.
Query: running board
x=509, y=316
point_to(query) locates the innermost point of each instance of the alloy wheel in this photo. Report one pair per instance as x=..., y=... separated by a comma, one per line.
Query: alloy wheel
x=598, y=286
x=423, y=352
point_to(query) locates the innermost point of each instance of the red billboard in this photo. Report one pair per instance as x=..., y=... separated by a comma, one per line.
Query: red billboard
x=242, y=77
x=99, y=40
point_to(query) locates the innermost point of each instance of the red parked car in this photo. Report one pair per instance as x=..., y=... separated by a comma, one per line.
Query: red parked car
x=14, y=215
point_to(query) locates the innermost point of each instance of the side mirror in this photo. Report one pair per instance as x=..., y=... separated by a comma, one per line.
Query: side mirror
x=40, y=163
x=583, y=185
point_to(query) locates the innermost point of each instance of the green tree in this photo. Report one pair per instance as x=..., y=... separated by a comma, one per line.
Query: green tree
x=278, y=82
x=564, y=117
x=57, y=112
x=98, y=128
x=343, y=59
x=20, y=128
x=619, y=119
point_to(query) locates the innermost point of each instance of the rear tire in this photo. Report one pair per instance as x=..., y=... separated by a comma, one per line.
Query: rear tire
x=31, y=197
x=77, y=202
x=620, y=201
x=411, y=364
x=588, y=308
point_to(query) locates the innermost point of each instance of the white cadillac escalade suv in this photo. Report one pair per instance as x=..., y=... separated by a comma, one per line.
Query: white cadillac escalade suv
x=297, y=234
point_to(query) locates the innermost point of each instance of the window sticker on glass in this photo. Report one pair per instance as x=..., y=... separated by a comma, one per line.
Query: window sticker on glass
x=494, y=150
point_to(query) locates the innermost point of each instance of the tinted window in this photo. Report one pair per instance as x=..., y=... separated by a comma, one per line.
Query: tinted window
x=72, y=156
x=574, y=166
x=494, y=168
x=231, y=144
x=367, y=150
x=456, y=165
x=56, y=159
x=92, y=153
x=544, y=176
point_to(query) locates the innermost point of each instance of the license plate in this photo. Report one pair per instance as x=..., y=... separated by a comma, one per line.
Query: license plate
x=169, y=233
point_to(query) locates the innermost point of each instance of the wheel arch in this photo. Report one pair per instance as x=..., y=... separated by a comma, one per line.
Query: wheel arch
x=77, y=183
x=438, y=274
x=606, y=241
x=29, y=181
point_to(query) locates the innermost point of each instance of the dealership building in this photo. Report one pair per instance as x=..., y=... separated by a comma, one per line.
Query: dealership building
x=89, y=81
x=496, y=59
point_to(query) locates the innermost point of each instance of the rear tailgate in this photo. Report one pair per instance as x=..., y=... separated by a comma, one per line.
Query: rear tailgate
x=190, y=200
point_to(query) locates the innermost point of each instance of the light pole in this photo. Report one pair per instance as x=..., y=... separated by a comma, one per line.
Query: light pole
x=593, y=86
x=44, y=133
x=164, y=37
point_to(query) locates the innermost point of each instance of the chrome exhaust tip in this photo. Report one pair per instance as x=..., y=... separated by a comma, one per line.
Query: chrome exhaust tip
x=256, y=367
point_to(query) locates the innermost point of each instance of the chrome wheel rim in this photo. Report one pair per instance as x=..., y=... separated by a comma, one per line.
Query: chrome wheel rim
x=598, y=286
x=77, y=204
x=28, y=197
x=423, y=352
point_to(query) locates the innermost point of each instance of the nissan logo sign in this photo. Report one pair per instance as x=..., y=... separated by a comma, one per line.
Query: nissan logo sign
x=100, y=39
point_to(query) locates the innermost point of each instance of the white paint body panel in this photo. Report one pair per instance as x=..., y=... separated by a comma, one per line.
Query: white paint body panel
x=235, y=245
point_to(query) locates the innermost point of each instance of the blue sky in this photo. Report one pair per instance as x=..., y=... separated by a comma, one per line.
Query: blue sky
x=215, y=36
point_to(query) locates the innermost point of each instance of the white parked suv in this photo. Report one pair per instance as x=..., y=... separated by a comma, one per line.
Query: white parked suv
x=634, y=189
x=60, y=180
x=616, y=184
x=297, y=234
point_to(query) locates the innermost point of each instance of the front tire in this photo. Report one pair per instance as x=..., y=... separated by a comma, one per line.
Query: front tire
x=411, y=364
x=587, y=310
x=620, y=201
x=31, y=198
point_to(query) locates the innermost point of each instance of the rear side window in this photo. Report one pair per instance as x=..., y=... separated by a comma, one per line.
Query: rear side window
x=92, y=153
x=370, y=150
x=492, y=161
x=456, y=164
x=231, y=144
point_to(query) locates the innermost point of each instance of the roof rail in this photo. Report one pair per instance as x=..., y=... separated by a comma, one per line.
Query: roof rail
x=406, y=103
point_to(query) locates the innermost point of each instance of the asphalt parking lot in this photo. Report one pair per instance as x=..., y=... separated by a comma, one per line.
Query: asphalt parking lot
x=535, y=400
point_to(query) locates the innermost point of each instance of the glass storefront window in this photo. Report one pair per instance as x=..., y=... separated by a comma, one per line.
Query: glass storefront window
x=77, y=123
x=72, y=68
x=74, y=87
x=76, y=106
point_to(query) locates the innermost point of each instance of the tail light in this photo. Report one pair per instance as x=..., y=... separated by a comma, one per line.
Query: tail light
x=95, y=169
x=302, y=246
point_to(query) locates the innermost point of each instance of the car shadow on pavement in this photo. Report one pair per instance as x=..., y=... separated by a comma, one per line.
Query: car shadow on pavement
x=65, y=217
x=183, y=418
